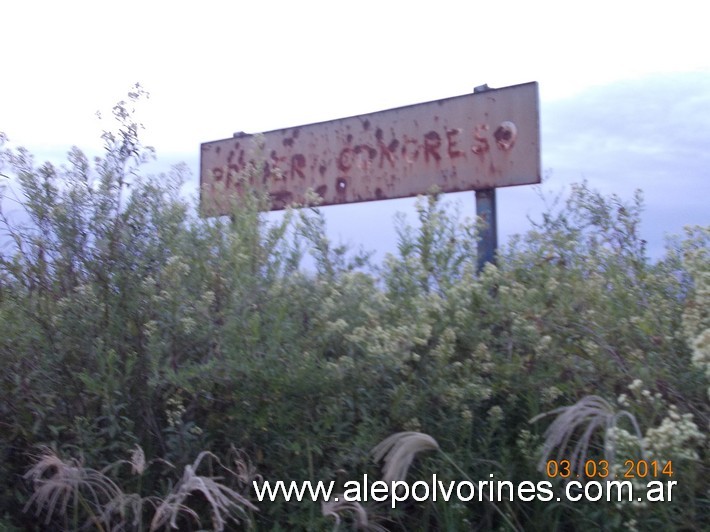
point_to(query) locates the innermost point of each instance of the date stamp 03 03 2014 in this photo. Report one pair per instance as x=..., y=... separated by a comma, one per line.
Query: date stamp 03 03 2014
x=600, y=469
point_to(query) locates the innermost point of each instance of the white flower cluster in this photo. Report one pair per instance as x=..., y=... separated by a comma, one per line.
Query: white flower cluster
x=495, y=414
x=466, y=414
x=631, y=525
x=174, y=411
x=622, y=445
x=636, y=385
x=701, y=353
x=542, y=347
x=696, y=318
x=529, y=445
x=677, y=437
x=642, y=394
x=549, y=395
x=482, y=359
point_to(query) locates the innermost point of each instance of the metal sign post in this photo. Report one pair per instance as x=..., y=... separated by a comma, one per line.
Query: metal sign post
x=486, y=211
x=478, y=141
x=488, y=237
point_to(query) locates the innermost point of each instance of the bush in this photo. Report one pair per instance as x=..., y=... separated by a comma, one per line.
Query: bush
x=127, y=322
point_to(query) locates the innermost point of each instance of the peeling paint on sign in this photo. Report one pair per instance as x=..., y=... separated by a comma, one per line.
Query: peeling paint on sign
x=472, y=142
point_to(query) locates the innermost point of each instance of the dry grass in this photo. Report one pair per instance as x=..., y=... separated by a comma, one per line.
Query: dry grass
x=582, y=419
x=78, y=496
x=225, y=503
x=128, y=511
x=398, y=451
x=61, y=485
x=138, y=461
x=357, y=512
x=244, y=470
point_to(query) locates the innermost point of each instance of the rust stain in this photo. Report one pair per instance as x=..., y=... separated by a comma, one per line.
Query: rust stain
x=281, y=198
x=505, y=135
x=298, y=164
x=432, y=143
x=462, y=143
x=341, y=185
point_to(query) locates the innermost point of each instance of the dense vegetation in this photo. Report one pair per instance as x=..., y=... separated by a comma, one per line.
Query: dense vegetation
x=135, y=336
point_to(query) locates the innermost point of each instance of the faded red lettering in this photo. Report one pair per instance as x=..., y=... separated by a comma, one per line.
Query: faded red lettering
x=276, y=162
x=233, y=172
x=281, y=198
x=432, y=143
x=386, y=150
x=365, y=148
x=298, y=163
x=240, y=158
x=365, y=155
x=452, y=143
x=481, y=144
x=406, y=154
x=345, y=159
x=505, y=135
x=266, y=173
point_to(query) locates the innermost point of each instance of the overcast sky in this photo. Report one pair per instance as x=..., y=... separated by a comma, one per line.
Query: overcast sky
x=624, y=85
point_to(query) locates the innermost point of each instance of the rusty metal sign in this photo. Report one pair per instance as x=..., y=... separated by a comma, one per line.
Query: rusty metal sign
x=472, y=142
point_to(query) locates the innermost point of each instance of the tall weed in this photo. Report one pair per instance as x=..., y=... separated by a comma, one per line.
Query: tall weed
x=126, y=319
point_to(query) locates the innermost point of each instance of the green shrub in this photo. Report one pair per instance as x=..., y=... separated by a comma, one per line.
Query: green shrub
x=125, y=320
